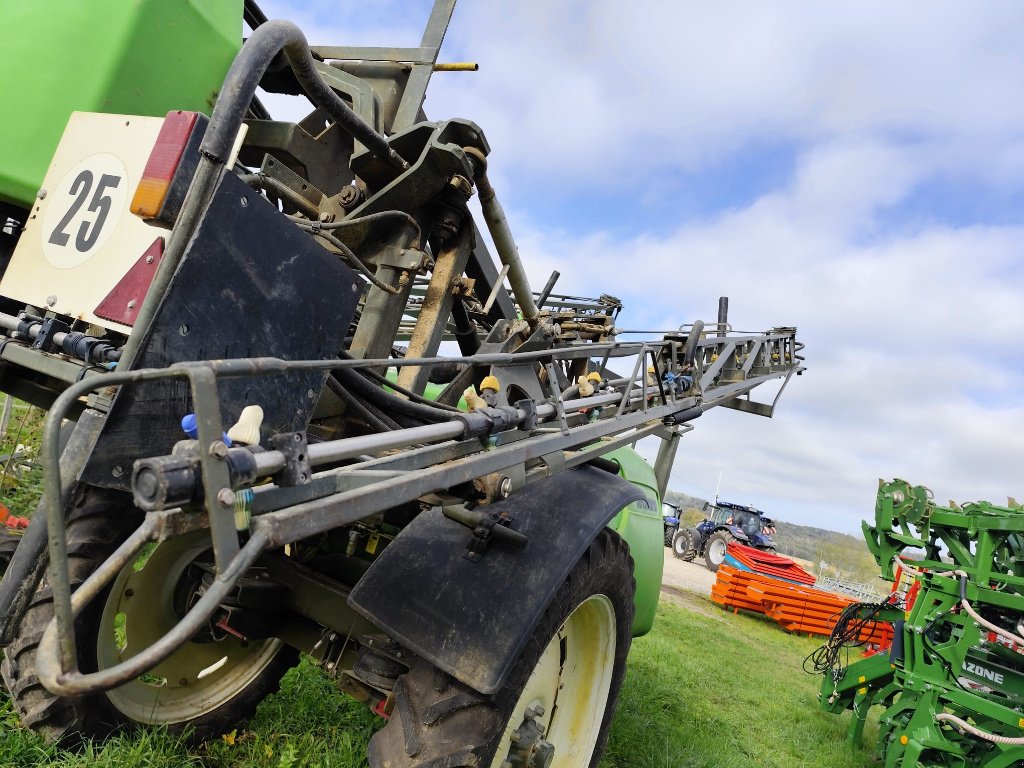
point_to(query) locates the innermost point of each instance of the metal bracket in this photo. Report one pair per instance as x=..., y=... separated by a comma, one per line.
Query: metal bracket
x=297, y=470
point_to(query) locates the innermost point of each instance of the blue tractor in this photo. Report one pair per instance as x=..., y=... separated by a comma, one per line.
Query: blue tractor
x=670, y=517
x=728, y=522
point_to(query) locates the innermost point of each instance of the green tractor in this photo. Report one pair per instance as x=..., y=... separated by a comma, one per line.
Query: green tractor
x=304, y=413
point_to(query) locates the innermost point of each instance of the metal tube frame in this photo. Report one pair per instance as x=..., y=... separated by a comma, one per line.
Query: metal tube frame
x=634, y=417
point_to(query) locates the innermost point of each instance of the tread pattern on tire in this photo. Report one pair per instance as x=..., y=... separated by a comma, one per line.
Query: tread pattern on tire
x=94, y=529
x=438, y=722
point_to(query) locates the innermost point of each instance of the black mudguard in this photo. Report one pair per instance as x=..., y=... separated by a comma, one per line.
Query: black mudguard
x=472, y=619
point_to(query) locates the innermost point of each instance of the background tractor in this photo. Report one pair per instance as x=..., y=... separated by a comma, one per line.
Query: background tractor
x=307, y=409
x=727, y=522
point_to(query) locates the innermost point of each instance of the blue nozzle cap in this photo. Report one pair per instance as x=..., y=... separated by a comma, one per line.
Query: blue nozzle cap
x=188, y=426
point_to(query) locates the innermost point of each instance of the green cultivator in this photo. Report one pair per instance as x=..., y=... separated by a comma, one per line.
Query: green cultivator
x=953, y=684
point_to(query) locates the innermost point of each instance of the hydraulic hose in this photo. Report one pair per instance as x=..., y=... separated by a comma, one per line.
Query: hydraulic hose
x=371, y=414
x=380, y=397
x=383, y=381
x=966, y=727
x=245, y=74
x=1007, y=635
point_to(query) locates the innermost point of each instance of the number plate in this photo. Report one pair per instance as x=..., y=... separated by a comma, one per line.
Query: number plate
x=80, y=238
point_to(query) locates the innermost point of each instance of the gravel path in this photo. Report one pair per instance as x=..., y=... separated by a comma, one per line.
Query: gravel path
x=683, y=575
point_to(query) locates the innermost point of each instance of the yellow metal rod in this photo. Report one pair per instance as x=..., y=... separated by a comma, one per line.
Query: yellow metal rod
x=457, y=66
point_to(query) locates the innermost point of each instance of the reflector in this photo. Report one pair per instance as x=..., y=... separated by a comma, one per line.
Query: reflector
x=163, y=162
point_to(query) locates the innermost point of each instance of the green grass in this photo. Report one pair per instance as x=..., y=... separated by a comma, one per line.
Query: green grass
x=705, y=689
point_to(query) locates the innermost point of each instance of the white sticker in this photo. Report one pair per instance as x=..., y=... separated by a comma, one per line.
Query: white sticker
x=84, y=209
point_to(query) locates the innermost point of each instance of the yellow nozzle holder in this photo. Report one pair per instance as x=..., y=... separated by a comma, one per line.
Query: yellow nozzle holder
x=491, y=383
x=594, y=376
x=650, y=369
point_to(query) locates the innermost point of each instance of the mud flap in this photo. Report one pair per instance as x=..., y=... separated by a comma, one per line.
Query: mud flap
x=472, y=619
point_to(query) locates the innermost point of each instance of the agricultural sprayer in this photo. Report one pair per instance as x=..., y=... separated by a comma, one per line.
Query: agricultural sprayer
x=952, y=684
x=261, y=439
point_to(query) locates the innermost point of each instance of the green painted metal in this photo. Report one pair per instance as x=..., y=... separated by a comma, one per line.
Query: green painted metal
x=640, y=524
x=951, y=662
x=135, y=57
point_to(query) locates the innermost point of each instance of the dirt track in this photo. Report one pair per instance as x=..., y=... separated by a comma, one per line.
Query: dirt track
x=680, y=574
x=688, y=585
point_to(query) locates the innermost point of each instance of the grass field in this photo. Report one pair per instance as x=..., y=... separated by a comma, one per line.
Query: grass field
x=706, y=689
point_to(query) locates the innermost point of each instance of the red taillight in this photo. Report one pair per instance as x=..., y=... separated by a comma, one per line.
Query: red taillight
x=163, y=162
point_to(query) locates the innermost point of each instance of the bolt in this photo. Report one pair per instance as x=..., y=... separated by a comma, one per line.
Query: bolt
x=117, y=470
x=244, y=201
x=504, y=489
x=131, y=304
x=326, y=217
x=129, y=592
x=150, y=259
x=542, y=754
x=226, y=497
x=218, y=449
x=41, y=194
x=462, y=184
x=537, y=711
x=310, y=394
x=51, y=300
x=516, y=736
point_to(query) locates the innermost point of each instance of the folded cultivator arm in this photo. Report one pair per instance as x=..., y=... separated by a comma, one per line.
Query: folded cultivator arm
x=953, y=685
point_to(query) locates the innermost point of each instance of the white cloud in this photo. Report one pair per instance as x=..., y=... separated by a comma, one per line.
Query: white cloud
x=913, y=324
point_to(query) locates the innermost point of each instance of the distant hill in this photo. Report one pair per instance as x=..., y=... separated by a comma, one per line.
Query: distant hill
x=846, y=556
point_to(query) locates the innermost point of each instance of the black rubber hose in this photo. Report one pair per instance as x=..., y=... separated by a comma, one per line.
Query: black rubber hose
x=365, y=411
x=383, y=380
x=244, y=76
x=392, y=403
x=690, y=350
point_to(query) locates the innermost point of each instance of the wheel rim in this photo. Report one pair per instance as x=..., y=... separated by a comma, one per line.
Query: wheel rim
x=197, y=678
x=570, y=683
x=716, y=551
x=679, y=544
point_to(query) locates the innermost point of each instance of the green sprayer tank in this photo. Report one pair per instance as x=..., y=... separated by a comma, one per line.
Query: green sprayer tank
x=138, y=57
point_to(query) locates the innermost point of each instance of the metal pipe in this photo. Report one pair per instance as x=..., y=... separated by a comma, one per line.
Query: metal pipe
x=497, y=225
x=723, y=314
x=456, y=66
x=65, y=679
x=104, y=351
x=549, y=286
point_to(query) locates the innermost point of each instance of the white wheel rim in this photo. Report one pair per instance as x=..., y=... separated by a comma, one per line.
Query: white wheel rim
x=717, y=551
x=571, y=682
x=198, y=677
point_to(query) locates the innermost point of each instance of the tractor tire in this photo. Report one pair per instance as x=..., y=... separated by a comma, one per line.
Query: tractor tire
x=683, y=545
x=98, y=524
x=670, y=534
x=770, y=550
x=576, y=652
x=714, y=550
x=8, y=543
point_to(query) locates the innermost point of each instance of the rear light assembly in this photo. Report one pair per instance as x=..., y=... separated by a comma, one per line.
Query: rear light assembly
x=170, y=167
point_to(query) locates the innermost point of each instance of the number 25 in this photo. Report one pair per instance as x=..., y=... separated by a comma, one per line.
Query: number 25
x=100, y=205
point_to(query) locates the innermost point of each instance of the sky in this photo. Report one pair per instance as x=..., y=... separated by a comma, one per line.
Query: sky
x=855, y=169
